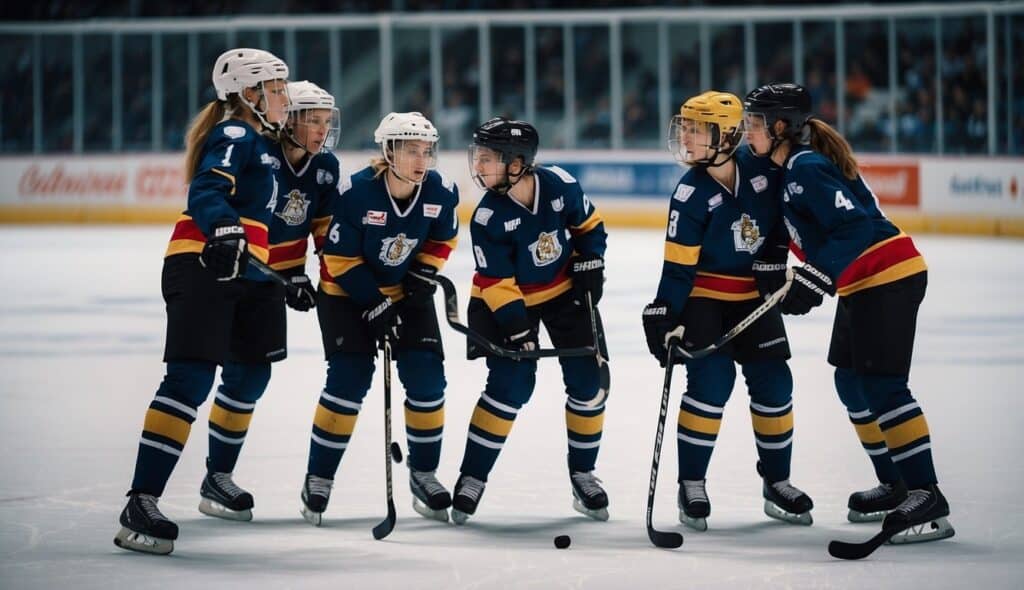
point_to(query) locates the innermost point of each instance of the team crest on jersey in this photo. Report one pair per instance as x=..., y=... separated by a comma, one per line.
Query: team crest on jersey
x=270, y=161
x=759, y=183
x=324, y=177
x=746, y=235
x=395, y=250
x=558, y=204
x=295, y=209
x=546, y=249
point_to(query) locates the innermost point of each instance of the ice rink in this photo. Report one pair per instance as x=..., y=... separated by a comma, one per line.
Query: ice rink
x=81, y=338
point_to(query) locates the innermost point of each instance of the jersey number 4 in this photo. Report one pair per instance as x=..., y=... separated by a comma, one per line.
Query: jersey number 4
x=842, y=202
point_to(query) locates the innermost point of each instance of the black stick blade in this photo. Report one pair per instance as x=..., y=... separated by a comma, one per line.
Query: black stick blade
x=387, y=525
x=665, y=540
x=396, y=452
x=844, y=550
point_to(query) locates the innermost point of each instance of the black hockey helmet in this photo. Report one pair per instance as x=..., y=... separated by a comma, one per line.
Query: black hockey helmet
x=512, y=139
x=782, y=101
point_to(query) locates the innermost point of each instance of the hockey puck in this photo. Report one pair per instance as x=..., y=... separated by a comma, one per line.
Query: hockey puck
x=396, y=452
x=562, y=541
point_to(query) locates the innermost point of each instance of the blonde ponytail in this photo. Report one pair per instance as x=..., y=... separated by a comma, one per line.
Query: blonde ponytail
x=199, y=129
x=828, y=142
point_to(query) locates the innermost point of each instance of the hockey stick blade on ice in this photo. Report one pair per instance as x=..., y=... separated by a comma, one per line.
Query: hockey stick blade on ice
x=844, y=550
x=388, y=524
x=663, y=539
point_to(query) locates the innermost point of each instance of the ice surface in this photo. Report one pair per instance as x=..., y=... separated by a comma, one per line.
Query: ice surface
x=81, y=336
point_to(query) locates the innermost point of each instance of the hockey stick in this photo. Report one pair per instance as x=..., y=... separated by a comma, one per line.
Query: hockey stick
x=745, y=323
x=388, y=524
x=663, y=539
x=274, y=275
x=844, y=550
x=604, y=374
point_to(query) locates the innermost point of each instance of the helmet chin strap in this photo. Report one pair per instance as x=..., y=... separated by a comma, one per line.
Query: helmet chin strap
x=261, y=115
x=393, y=168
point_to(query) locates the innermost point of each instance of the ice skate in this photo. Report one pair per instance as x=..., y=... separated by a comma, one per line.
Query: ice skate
x=316, y=492
x=872, y=505
x=784, y=501
x=221, y=498
x=144, y=528
x=468, y=491
x=429, y=498
x=694, y=506
x=920, y=517
x=588, y=497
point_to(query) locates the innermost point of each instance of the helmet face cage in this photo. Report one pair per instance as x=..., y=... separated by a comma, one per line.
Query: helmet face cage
x=399, y=152
x=310, y=119
x=400, y=136
x=707, y=137
x=774, y=102
x=489, y=159
x=501, y=140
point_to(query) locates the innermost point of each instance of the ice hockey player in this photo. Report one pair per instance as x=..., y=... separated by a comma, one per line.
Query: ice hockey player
x=723, y=224
x=395, y=220
x=539, y=246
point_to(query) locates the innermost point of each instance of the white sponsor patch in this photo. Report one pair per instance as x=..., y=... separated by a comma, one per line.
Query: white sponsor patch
x=234, y=131
x=483, y=215
x=683, y=192
x=512, y=224
x=795, y=188
x=324, y=177
x=270, y=161
x=759, y=183
x=714, y=201
x=558, y=204
x=376, y=217
x=430, y=210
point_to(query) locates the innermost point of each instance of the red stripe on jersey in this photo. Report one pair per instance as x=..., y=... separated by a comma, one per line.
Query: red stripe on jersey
x=725, y=284
x=438, y=249
x=561, y=277
x=296, y=251
x=256, y=234
x=186, y=229
x=878, y=258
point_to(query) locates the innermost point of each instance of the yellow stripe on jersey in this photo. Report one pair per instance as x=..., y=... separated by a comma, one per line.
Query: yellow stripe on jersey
x=229, y=420
x=906, y=433
x=680, y=254
x=320, y=225
x=488, y=422
x=699, y=423
x=333, y=422
x=167, y=425
x=869, y=433
x=228, y=176
x=184, y=246
x=395, y=292
x=588, y=224
x=499, y=294
x=424, y=420
x=770, y=426
x=893, y=273
x=339, y=265
x=584, y=424
x=722, y=295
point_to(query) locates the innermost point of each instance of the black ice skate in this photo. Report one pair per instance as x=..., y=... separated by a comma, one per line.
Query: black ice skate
x=785, y=502
x=221, y=498
x=316, y=492
x=144, y=528
x=429, y=498
x=694, y=506
x=588, y=497
x=920, y=517
x=872, y=505
x=468, y=491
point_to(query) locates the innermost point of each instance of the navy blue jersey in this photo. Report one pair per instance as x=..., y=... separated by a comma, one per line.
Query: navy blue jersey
x=234, y=182
x=371, y=242
x=523, y=255
x=835, y=225
x=715, y=233
x=304, y=203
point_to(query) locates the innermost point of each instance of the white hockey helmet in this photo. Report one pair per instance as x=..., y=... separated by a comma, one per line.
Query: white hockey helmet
x=405, y=126
x=306, y=96
x=238, y=69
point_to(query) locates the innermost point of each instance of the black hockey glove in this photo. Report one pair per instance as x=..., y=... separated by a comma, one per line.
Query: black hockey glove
x=382, y=320
x=520, y=335
x=226, y=252
x=660, y=327
x=769, y=276
x=301, y=296
x=588, y=277
x=808, y=290
x=418, y=290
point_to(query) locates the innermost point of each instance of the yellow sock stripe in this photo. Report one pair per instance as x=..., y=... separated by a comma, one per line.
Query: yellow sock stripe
x=167, y=425
x=229, y=420
x=770, y=426
x=424, y=420
x=699, y=423
x=488, y=422
x=869, y=433
x=333, y=422
x=586, y=425
x=907, y=432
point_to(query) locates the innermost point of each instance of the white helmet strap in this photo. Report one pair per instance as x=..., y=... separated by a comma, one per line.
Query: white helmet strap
x=254, y=107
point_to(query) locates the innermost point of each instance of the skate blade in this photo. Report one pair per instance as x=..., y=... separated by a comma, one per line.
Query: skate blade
x=698, y=524
x=313, y=518
x=459, y=517
x=597, y=514
x=218, y=510
x=133, y=541
x=855, y=516
x=922, y=533
x=773, y=510
x=428, y=512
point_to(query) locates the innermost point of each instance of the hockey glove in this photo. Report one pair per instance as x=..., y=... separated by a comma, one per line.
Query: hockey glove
x=520, y=335
x=808, y=290
x=301, y=296
x=418, y=290
x=659, y=328
x=769, y=276
x=382, y=320
x=226, y=252
x=588, y=277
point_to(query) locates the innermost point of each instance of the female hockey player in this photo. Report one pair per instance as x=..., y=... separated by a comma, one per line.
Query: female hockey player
x=723, y=222
x=394, y=217
x=217, y=307
x=849, y=248
x=539, y=245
